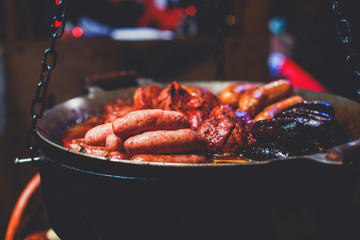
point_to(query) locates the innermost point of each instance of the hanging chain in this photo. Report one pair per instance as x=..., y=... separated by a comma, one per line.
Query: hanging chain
x=219, y=44
x=344, y=33
x=47, y=65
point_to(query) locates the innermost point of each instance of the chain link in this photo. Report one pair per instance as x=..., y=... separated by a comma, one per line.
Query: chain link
x=219, y=44
x=344, y=33
x=48, y=64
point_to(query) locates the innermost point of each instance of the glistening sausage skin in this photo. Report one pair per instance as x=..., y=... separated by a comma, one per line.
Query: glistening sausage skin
x=253, y=100
x=114, y=143
x=165, y=142
x=96, y=136
x=275, y=108
x=141, y=121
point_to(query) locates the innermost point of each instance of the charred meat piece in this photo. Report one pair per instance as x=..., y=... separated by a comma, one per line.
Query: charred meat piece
x=223, y=133
x=264, y=151
x=174, y=98
x=146, y=98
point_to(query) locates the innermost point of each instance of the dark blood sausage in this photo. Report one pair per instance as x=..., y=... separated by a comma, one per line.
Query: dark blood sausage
x=184, y=158
x=319, y=106
x=97, y=135
x=302, y=112
x=286, y=129
x=141, y=121
x=165, y=142
x=265, y=151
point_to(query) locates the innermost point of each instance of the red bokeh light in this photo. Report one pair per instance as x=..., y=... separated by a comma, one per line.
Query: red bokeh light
x=191, y=10
x=77, y=32
x=57, y=2
x=57, y=23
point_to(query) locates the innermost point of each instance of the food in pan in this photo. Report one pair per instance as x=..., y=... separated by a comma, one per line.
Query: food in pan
x=187, y=124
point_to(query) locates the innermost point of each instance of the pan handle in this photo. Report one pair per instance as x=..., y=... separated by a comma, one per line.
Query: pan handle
x=348, y=153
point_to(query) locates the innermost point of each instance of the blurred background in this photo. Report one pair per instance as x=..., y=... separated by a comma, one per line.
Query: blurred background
x=164, y=40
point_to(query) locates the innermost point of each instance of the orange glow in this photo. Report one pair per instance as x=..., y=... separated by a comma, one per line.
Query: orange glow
x=77, y=32
x=230, y=19
x=191, y=10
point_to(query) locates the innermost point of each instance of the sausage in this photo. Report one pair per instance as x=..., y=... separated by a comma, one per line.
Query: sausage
x=79, y=130
x=165, y=142
x=265, y=151
x=231, y=94
x=140, y=121
x=114, y=143
x=186, y=158
x=319, y=106
x=97, y=135
x=271, y=110
x=288, y=129
x=253, y=100
x=96, y=150
x=117, y=155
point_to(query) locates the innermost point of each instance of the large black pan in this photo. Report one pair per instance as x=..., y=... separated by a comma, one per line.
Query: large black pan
x=89, y=197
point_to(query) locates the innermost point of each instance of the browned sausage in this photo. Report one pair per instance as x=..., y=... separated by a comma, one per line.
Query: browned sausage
x=114, y=143
x=97, y=135
x=165, y=142
x=271, y=110
x=96, y=150
x=117, y=155
x=253, y=100
x=186, y=158
x=231, y=94
x=141, y=121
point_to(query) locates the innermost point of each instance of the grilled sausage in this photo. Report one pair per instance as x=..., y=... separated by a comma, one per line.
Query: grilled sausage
x=253, y=100
x=97, y=135
x=271, y=110
x=185, y=158
x=231, y=94
x=165, y=142
x=141, y=121
x=114, y=143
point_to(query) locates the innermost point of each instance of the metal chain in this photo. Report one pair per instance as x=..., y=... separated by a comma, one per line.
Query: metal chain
x=344, y=33
x=219, y=44
x=48, y=64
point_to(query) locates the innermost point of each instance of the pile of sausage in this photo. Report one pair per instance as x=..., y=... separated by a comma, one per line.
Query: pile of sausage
x=186, y=124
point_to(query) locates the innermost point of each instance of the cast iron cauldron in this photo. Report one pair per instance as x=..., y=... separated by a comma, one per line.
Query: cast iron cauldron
x=88, y=197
